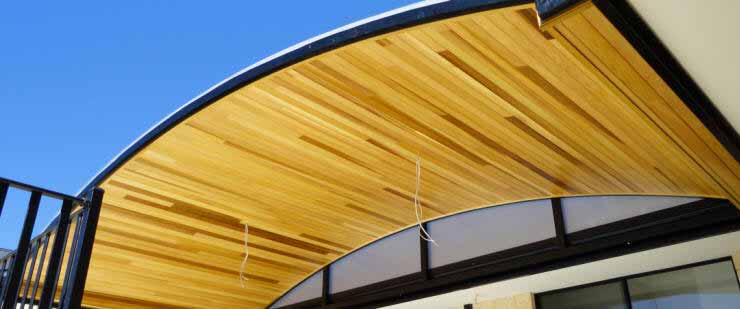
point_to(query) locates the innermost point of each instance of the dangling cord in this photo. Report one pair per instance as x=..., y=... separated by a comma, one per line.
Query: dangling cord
x=242, y=277
x=418, y=209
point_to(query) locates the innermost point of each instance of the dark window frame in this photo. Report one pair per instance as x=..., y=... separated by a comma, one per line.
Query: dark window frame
x=623, y=280
x=694, y=220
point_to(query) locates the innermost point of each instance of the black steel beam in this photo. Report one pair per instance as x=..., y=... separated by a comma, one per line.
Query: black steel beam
x=55, y=260
x=424, y=255
x=557, y=215
x=14, y=284
x=325, y=288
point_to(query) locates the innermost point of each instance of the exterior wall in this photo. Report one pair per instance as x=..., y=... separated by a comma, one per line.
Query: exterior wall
x=521, y=301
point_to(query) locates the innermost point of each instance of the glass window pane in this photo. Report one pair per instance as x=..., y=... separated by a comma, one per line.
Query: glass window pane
x=306, y=290
x=703, y=287
x=390, y=257
x=585, y=212
x=479, y=232
x=605, y=296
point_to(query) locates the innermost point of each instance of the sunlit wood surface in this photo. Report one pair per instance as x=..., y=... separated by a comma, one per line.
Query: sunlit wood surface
x=318, y=158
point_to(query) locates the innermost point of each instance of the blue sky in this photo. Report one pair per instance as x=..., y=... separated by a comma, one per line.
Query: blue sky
x=81, y=80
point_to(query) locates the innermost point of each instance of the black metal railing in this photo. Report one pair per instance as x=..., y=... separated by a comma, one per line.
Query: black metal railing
x=30, y=275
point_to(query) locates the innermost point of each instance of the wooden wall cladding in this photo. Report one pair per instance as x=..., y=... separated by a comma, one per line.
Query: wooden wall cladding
x=319, y=158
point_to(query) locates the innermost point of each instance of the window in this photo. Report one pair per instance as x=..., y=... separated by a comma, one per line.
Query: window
x=308, y=289
x=605, y=296
x=703, y=287
x=390, y=257
x=709, y=286
x=489, y=230
x=590, y=211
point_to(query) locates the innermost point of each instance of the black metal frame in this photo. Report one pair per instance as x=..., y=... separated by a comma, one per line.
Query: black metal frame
x=695, y=220
x=623, y=280
x=20, y=278
x=547, y=9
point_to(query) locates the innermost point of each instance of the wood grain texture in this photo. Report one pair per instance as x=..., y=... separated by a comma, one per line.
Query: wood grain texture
x=520, y=301
x=318, y=158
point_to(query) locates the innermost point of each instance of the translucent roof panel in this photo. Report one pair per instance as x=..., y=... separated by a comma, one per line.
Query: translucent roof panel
x=479, y=232
x=306, y=290
x=390, y=257
x=585, y=212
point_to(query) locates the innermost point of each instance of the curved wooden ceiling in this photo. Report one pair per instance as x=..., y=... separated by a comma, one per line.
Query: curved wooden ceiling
x=318, y=158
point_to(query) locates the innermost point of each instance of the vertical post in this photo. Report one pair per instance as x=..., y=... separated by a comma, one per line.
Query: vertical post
x=325, y=281
x=37, y=280
x=29, y=276
x=75, y=236
x=55, y=260
x=12, y=290
x=4, y=270
x=557, y=214
x=626, y=294
x=424, y=254
x=84, y=251
x=3, y=192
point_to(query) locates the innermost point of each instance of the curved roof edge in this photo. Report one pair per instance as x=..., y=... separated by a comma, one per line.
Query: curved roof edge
x=407, y=16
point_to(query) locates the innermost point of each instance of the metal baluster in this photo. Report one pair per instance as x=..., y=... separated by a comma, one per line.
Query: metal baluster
x=3, y=272
x=41, y=267
x=84, y=250
x=57, y=254
x=11, y=292
x=7, y=260
x=34, y=252
x=3, y=192
x=10, y=260
x=71, y=258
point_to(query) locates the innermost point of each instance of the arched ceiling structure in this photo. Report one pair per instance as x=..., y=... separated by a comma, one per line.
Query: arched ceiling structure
x=316, y=150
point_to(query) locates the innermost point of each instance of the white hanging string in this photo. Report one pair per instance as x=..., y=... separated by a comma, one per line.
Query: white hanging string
x=242, y=277
x=418, y=209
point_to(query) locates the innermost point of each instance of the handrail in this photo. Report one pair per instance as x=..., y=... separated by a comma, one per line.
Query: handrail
x=17, y=280
x=45, y=192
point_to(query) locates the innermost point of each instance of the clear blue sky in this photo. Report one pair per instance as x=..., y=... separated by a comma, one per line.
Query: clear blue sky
x=81, y=80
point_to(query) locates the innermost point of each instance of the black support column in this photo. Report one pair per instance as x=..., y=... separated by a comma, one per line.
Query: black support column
x=13, y=288
x=83, y=251
x=55, y=261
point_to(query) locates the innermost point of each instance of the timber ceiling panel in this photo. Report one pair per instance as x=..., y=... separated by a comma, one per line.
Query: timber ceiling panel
x=319, y=158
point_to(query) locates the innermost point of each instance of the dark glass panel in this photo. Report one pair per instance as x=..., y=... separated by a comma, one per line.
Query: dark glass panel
x=605, y=296
x=712, y=286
